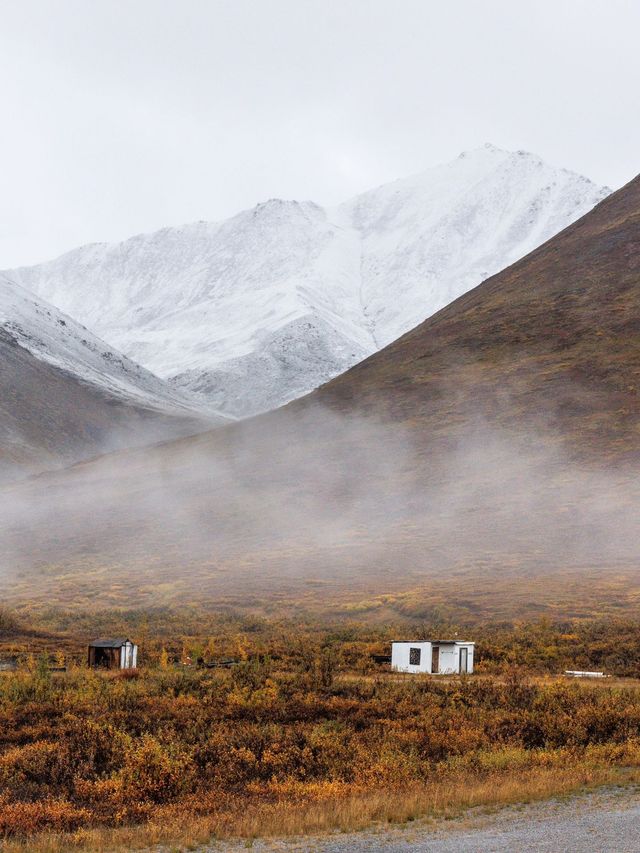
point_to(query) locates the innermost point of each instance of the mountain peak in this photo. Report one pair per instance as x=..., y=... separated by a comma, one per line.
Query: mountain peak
x=287, y=294
x=284, y=204
x=486, y=148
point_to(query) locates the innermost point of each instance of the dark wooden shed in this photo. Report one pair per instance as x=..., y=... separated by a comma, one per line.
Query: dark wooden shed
x=120, y=653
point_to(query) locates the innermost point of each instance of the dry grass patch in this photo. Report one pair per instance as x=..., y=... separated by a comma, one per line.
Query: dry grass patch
x=346, y=812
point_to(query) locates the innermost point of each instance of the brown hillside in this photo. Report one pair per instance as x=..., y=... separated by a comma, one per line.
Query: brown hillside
x=553, y=341
x=50, y=418
x=499, y=438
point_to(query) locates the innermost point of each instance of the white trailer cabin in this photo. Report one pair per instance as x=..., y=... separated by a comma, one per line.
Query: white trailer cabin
x=438, y=657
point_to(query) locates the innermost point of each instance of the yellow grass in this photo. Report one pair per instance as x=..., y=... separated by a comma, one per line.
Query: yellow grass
x=349, y=813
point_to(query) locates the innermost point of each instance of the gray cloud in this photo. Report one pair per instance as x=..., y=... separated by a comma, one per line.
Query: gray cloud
x=126, y=116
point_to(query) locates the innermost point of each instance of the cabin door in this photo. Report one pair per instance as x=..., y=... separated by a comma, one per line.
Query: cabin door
x=435, y=659
x=464, y=660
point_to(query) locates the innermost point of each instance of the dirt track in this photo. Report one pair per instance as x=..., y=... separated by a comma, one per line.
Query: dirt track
x=603, y=822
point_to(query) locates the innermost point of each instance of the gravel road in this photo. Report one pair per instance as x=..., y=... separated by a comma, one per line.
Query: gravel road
x=607, y=821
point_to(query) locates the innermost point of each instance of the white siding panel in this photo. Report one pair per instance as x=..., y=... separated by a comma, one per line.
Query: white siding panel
x=400, y=657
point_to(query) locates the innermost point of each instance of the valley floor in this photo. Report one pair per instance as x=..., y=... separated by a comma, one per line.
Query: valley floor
x=604, y=821
x=294, y=730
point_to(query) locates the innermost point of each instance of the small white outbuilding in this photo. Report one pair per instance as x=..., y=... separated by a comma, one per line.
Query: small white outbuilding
x=113, y=654
x=439, y=657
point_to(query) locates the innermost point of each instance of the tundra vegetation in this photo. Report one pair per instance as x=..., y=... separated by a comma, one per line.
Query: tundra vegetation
x=304, y=733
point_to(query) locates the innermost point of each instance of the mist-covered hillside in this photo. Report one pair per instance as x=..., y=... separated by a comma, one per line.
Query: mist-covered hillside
x=498, y=438
x=66, y=395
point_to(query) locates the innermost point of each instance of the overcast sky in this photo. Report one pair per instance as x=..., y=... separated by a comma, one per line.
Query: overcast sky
x=121, y=116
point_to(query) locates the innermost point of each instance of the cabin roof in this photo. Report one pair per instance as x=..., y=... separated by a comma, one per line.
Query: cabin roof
x=109, y=644
x=440, y=642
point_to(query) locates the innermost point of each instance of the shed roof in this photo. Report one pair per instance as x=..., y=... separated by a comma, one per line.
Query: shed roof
x=440, y=642
x=109, y=644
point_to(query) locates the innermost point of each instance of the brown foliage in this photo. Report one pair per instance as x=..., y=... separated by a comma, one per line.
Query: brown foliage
x=305, y=717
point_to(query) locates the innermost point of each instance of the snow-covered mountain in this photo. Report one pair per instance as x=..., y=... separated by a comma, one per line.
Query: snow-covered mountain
x=66, y=395
x=259, y=309
x=60, y=341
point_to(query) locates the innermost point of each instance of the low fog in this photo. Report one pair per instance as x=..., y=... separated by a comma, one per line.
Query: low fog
x=308, y=495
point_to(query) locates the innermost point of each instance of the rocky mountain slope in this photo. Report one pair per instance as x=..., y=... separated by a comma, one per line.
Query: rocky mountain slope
x=260, y=309
x=66, y=395
x=498, y=439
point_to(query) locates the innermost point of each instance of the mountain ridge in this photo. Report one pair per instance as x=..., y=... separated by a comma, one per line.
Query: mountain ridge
x=288, y=294
x=499, y=439
x=66, y=395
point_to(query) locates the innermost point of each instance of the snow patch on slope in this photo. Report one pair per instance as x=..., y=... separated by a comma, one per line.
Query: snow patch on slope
x=56, y=339
x=432, y=237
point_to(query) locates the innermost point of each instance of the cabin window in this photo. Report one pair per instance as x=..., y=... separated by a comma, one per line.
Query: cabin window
x=414, y=657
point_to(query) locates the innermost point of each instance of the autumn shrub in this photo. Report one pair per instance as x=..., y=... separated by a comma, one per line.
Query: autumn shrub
x=296, y=720
x=156, y=772
x=26, y=770
x=29, y=818
x=9, y=622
